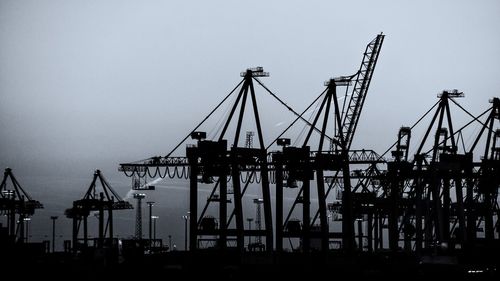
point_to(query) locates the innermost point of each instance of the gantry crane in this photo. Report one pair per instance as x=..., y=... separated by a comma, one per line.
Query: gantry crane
x=16, y=204
x=212, y=160
x=301, y=164
x=99, y=200
x=488, y=186
x=439, y=199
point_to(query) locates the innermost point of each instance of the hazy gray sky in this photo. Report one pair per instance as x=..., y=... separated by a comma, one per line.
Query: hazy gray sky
x=88, y=84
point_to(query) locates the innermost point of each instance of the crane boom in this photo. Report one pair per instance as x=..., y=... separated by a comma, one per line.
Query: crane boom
x=363, y=78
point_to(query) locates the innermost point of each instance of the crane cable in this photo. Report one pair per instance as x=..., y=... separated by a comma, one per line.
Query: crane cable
x=299, y=116
x=205, y=119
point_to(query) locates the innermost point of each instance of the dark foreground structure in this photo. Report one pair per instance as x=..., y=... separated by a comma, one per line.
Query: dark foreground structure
x=432, y=213
x=215, y=265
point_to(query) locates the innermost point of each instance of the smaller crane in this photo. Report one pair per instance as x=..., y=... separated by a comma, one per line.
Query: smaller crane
x=15, y=202
x=95, y=201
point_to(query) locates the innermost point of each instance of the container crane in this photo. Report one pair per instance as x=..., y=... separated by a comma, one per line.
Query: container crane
x=337, y=159
x=15, y=202
x=95, y=200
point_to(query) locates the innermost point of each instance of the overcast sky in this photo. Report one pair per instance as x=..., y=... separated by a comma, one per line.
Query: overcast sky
x=87, y=84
